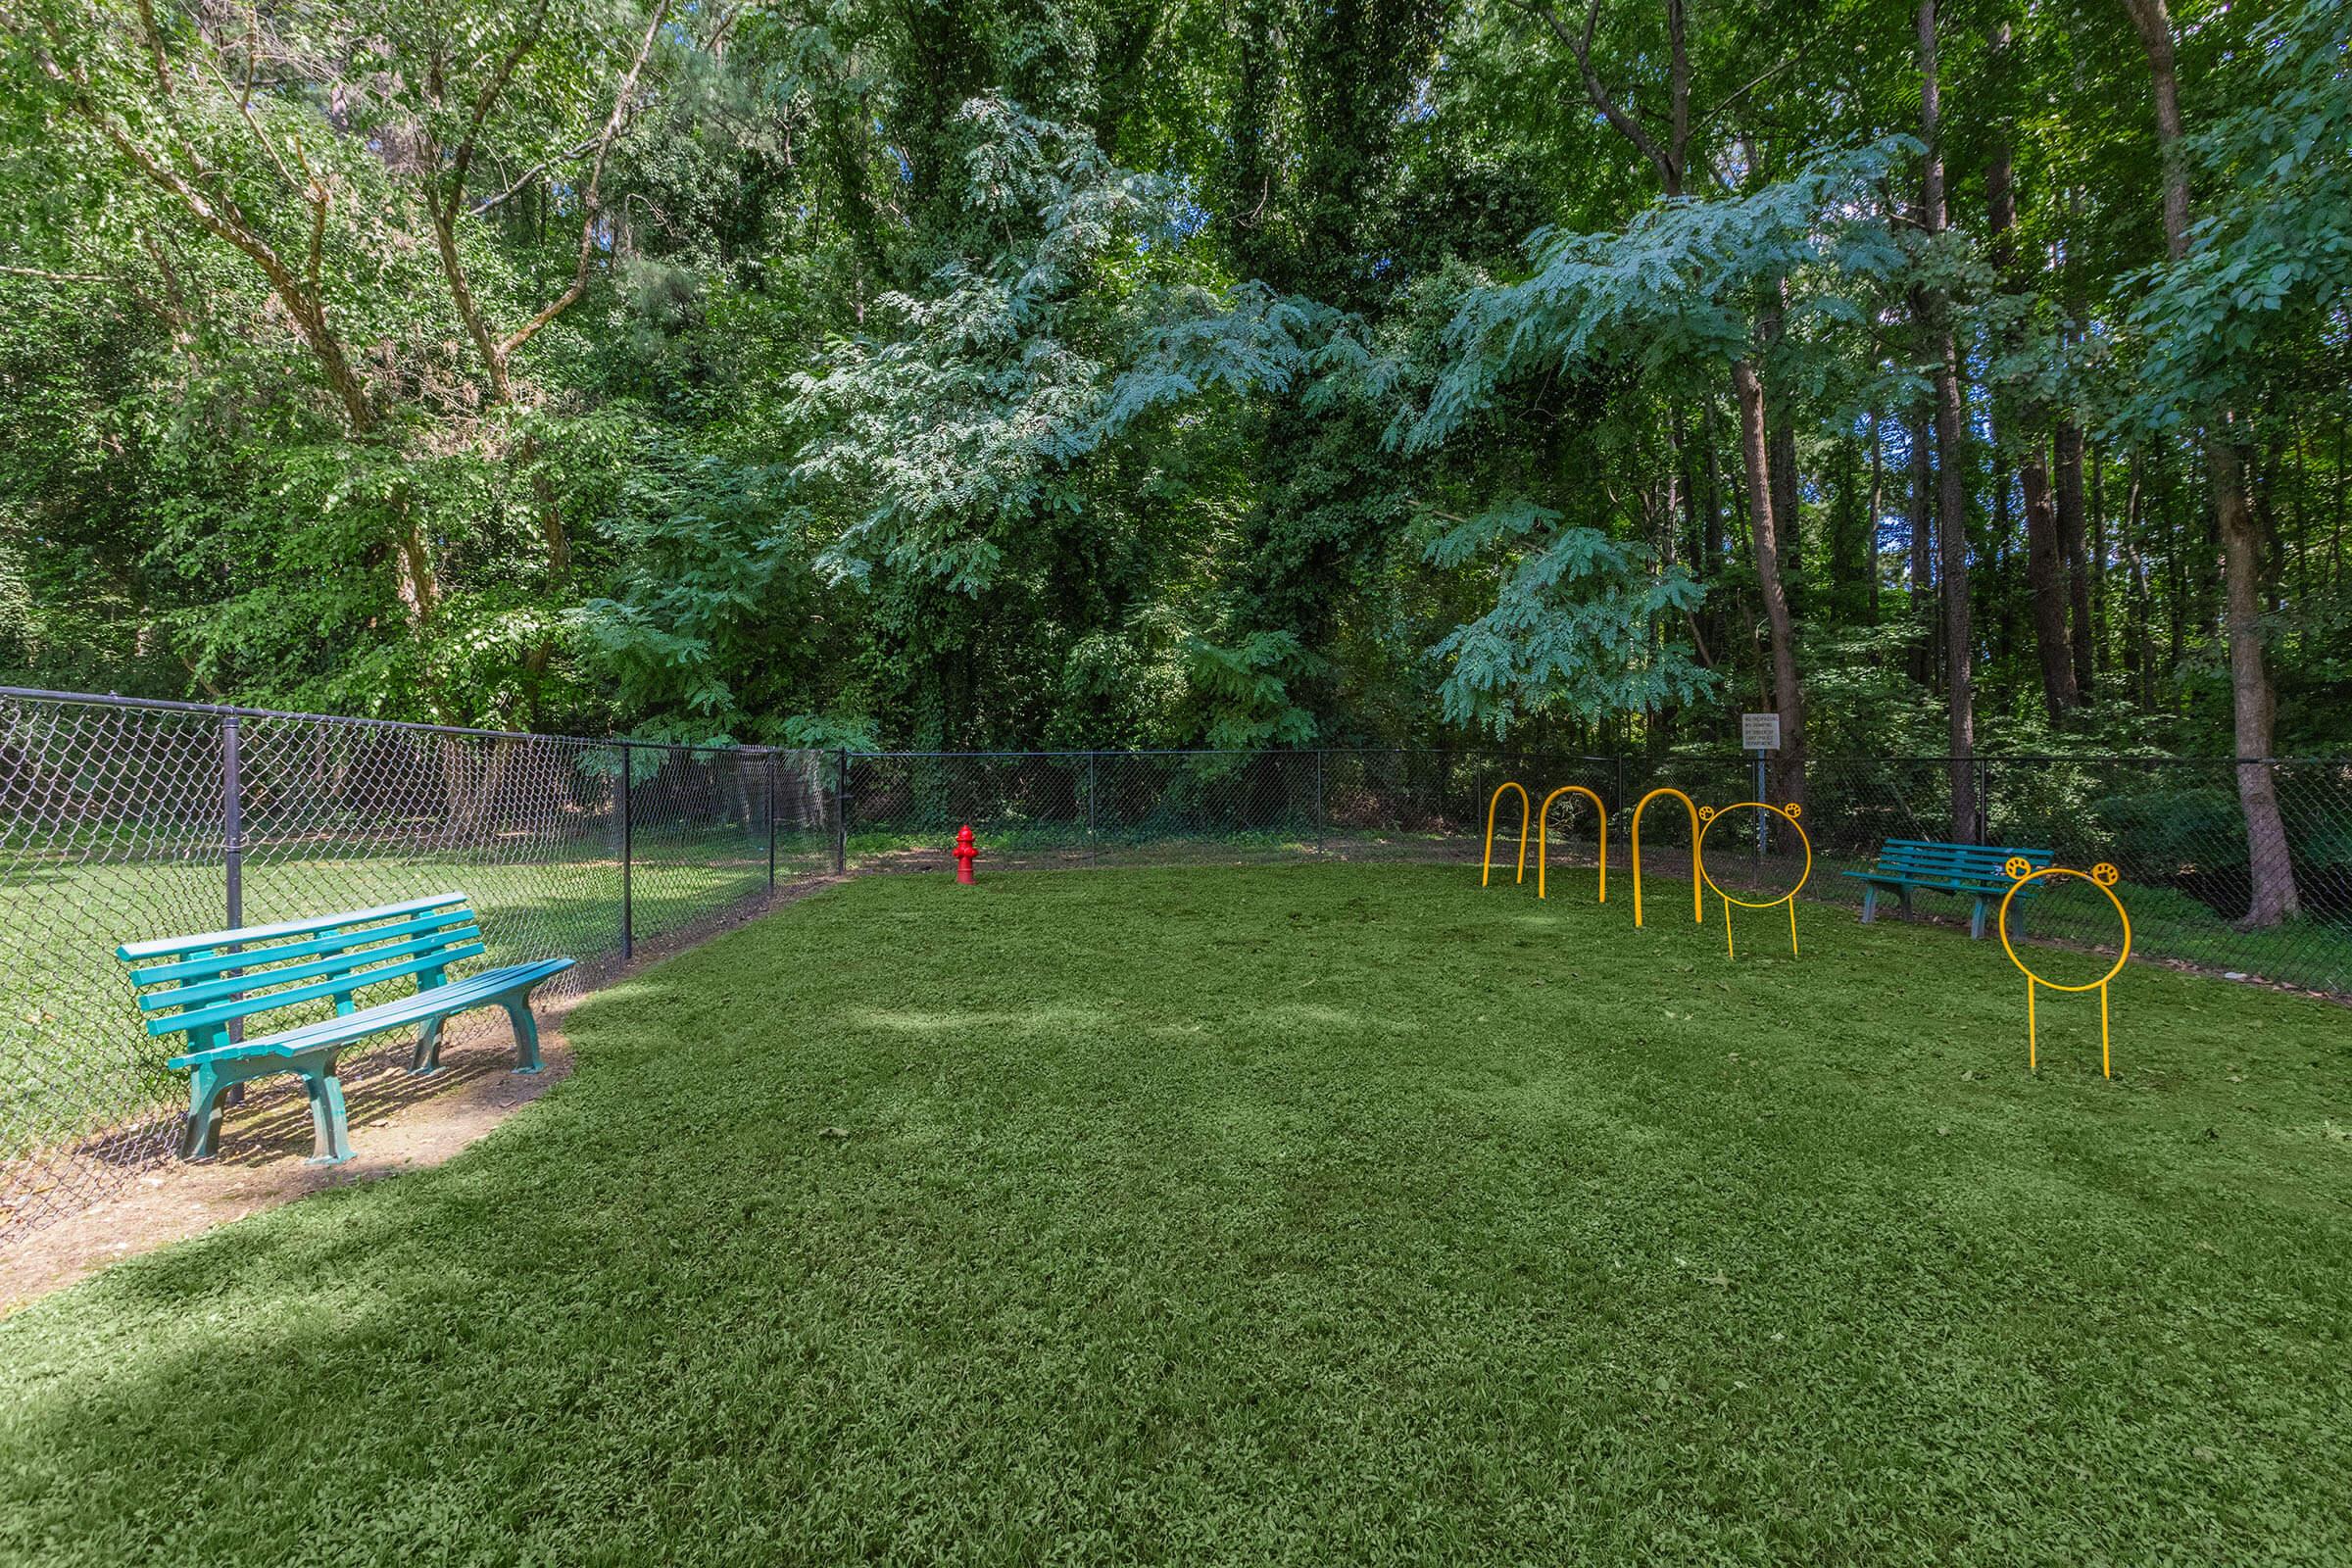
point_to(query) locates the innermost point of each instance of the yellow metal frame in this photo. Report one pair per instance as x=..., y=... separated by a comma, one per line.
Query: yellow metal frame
x=2103, y=877
x=1698, y=907
x=1542, y=820
x=1788, y=813
x=1492, y=805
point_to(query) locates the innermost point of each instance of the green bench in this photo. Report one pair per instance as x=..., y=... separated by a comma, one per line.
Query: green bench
x=1970, y=870
x=205, y=986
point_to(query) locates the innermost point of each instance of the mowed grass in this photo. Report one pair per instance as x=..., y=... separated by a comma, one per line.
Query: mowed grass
x=1307, y=1214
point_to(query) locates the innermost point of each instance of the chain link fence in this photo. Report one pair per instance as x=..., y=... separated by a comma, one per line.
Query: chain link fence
x=125, y=819
x=122, y=821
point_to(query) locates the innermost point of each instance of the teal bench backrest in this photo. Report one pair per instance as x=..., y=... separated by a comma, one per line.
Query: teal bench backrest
x=1954, y=863
x=202, y=984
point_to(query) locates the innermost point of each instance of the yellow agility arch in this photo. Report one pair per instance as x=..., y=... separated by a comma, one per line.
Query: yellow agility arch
x=1698, y=908
x=1542, y=817
x=1489, y=866
x=2101, y=876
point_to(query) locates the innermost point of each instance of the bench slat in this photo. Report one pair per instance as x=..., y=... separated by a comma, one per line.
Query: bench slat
x=1989, y=854
x=165, y=947
x=1902, y=851
x=256, y=985
x=1941, y=884
x=228, y=1011
x=395, y=1014
x=220, y=962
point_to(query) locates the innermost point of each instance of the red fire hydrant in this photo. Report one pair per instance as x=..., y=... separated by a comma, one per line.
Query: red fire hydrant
x=967, y=852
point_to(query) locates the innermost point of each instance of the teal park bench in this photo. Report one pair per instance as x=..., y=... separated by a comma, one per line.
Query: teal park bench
x=1971, y=870
x=202, y=985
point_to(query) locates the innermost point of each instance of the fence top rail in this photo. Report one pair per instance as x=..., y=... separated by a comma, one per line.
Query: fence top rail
x=1466, y=752
x=1472, y=754
x=30, y=694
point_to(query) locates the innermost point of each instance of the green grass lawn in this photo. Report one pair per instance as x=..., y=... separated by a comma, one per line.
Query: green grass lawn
x=1309, y=1214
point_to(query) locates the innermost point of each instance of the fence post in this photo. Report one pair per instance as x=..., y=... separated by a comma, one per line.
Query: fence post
x=1093, y=855
x=1318, y=800
x=232, y=850
x=1621, y=780
x=841, y=811
x=628, y=914
x=1984, y=801
x=771, y=759
x=1761, y=816
x=232, y=816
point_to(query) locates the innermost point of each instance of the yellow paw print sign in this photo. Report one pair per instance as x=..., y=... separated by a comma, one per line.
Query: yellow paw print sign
x=2102, y=876
x=2016, y=866
x=1709, y=818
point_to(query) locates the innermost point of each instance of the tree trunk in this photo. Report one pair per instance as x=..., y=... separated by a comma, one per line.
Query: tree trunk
x=2077, y=558
x=2045, y=583
x=1922, y=545
x=2272, y=896
x=1951, y=532
x=1787, y=516
x=1952, y=465
x=1779, y=626
x=1870, y=520
x=2139, y=653
x=2059, y=692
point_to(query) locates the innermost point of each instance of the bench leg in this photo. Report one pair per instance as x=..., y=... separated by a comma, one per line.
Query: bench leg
x=201, y=1138
x=1976, y=922
x=1870, y=901
x=1907, y=901
x=527, y=1036
x=428, y=1048
x=330, y=1130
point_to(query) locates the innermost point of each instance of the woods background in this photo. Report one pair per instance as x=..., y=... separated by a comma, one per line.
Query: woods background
x=1948, y=378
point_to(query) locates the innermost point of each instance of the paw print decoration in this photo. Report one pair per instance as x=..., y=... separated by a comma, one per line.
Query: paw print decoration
x=1794, y=810
x=1707, y=813
x=2016, y=866
x=2106, y=874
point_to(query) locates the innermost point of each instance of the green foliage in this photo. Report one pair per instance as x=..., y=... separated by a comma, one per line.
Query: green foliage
x=1678, y=288
x=1101, y=373
x=1248, y=685
x=944, y=429
x=2272, y=263
x=1574, y=627
x=829, y=732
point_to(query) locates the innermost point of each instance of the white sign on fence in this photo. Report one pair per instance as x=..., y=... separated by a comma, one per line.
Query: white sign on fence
x=1759, y=732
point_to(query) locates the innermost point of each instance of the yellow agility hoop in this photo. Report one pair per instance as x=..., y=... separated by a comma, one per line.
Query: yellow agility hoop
x=1543, y=816
x=2102, y=876
x=1788, y=813
x=1698, y=908
x=1489, y=866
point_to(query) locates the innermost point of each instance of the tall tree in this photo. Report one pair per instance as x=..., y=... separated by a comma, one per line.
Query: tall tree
x=2046, y=576
x=2272, y=896
x=1951, y=452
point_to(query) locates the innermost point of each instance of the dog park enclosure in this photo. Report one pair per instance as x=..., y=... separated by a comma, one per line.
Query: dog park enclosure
x=123, y=820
